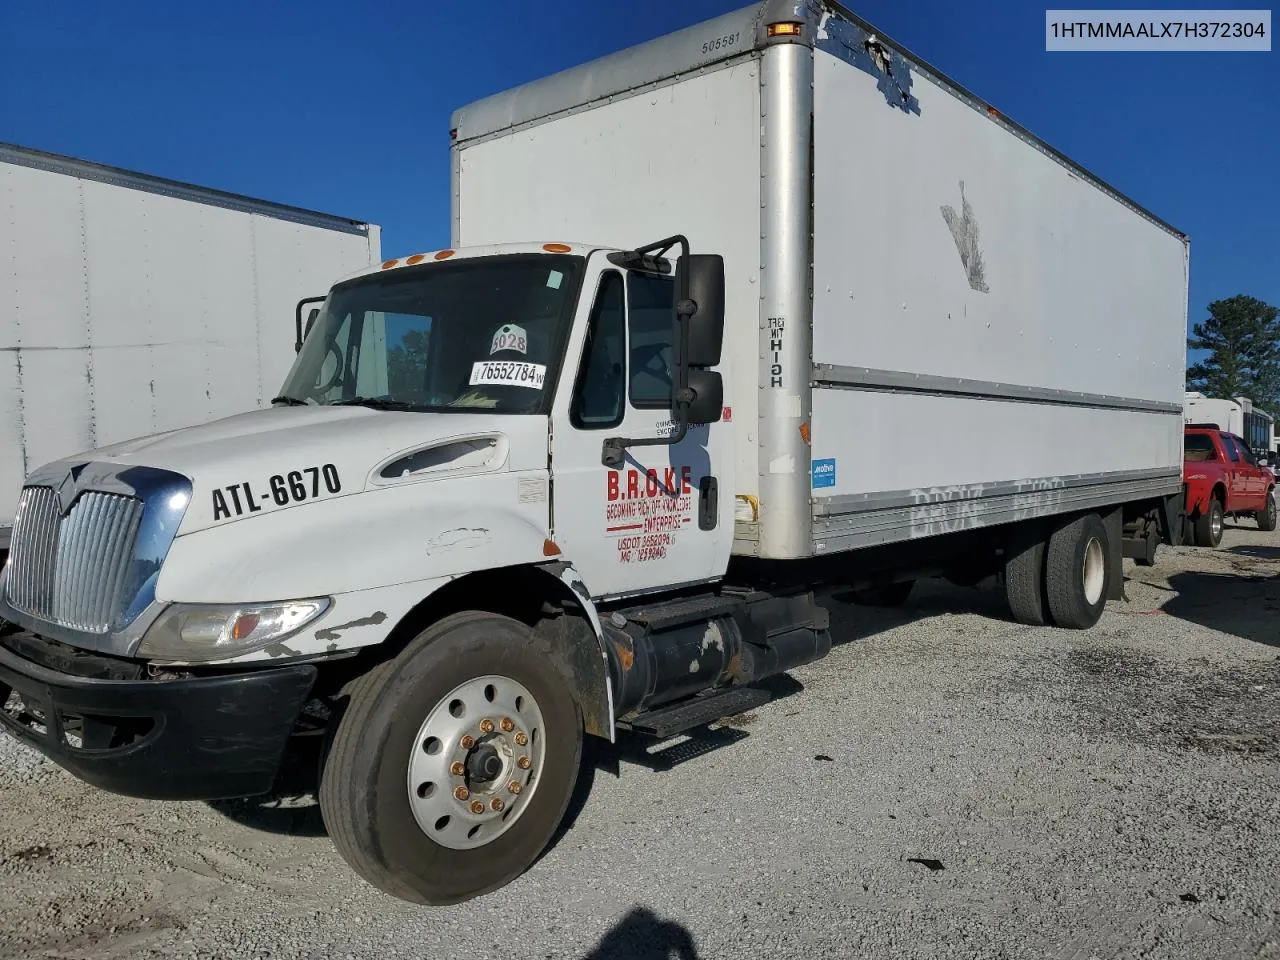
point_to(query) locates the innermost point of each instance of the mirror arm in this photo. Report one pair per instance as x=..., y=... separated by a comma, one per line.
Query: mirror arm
x=614, y=451
x=297, y=346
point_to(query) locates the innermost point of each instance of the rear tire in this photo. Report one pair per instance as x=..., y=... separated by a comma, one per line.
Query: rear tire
x=1024, y=578
x=1208, y=525
x=1075, y=573
x=884, y=594
x=366, y=793
x=1266, y=517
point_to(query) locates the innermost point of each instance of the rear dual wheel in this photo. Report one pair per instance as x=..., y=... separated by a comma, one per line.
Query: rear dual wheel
x=452, y=765
x=1061, y=579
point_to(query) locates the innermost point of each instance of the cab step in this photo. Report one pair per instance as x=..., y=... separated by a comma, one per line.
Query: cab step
x=667, y=721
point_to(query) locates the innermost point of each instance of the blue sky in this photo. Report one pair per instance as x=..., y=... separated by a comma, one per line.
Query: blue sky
x=345, y=107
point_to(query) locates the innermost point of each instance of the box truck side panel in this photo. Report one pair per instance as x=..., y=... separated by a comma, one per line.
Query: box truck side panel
x=682, y=158
x=947, y=246
x=890, y=475
x=43, y=323
x=292, y=261
x=131, y=305
x=982, y=315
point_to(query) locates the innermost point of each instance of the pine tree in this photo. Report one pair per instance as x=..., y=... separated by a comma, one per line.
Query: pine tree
x=1242, y=335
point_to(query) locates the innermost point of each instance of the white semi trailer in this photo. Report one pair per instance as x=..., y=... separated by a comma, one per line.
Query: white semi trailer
x=132, y=304
x=556, y=481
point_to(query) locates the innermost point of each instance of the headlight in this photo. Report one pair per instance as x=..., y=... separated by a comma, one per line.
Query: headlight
x=199, y=632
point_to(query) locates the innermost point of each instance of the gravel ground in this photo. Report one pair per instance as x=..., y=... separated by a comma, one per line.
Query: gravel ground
x=946, y=783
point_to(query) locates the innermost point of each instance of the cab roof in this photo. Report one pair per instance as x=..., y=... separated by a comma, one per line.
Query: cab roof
x=548, y=248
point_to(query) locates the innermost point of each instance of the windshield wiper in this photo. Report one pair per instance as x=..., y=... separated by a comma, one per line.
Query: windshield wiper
x=289, y=401
x=377, y=403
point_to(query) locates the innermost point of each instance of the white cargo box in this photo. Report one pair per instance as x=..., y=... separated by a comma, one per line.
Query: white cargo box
x=935, y=321
x=133, y=304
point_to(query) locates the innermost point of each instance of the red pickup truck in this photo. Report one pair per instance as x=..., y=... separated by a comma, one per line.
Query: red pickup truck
x=1223, y=478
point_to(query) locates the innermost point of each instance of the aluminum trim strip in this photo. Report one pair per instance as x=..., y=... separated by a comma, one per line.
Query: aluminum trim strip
x=888, y=499
x=839, y=377
x=936, y=517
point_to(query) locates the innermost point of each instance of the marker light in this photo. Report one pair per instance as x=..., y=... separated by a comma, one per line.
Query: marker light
x=783, y=29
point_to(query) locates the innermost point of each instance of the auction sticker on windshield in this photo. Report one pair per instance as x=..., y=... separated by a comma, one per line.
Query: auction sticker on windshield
x=510, y=337
x=508, y=373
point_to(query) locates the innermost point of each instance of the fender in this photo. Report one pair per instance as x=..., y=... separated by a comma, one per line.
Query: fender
x=586, y=663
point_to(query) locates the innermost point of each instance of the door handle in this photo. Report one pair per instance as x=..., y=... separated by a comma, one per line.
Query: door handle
x=708, y=503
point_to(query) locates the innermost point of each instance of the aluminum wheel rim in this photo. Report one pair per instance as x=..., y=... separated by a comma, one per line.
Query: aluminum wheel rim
x=452, y=803
x=1215, y=522
x=1094, y=570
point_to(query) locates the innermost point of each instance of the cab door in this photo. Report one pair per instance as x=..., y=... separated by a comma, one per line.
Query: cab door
x=663, y=518
x=1253, y=479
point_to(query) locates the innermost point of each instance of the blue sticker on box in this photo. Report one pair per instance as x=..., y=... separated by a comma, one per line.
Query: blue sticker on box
x=824, y=473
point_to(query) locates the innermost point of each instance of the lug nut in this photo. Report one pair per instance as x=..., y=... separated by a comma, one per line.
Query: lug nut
x=468, y=742
x=514, y=787
x=457, y=768
x=486, y=725
x=524, y=763
x=497, y=804
x=477, y=806
x=508, y=724
x=522, y=738
x=462, y=793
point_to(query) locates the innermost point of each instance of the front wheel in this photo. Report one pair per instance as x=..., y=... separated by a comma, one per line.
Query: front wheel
x=1266, y=517
x=453, y=764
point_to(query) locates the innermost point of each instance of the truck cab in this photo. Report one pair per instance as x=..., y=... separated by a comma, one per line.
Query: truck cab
x=1224, y=479
x=473, y=448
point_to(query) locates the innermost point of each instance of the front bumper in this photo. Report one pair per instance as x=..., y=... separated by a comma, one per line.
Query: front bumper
x=195, y=738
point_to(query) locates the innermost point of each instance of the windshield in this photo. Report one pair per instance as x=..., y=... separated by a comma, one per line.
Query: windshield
x=481, y=334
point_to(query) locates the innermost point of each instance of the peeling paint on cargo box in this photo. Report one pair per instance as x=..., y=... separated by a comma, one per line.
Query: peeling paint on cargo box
x=863, y=50
x=964, y=231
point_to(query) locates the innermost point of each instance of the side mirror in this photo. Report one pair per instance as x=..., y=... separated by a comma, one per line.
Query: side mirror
x=708, y=397
x=704, y=287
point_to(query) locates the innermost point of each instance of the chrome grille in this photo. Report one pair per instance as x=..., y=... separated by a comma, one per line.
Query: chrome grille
x=72, y=570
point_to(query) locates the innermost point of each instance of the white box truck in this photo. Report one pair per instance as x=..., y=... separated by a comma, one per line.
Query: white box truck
x=557, y=481
x=133, y=304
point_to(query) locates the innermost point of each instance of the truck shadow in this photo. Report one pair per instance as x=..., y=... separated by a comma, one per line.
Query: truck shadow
x=1243, y=606
x=1257, y=551
x=852, y=622
x=292, y=808
x=643, y=935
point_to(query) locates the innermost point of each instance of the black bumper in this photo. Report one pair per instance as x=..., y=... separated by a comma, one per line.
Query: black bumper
x=196, y=738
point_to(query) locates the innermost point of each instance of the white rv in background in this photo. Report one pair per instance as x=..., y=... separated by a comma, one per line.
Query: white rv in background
x=1238, y=415
x=134, y=304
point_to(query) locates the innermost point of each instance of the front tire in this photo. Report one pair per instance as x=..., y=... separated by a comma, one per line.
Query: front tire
x=1076, y=572
x=1266, y=517
x=1209, y=525
x=417, y=789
